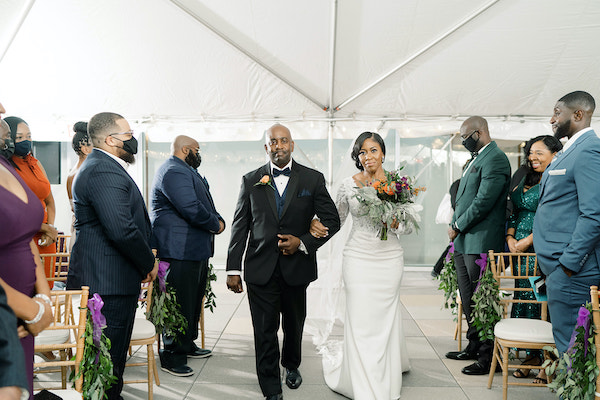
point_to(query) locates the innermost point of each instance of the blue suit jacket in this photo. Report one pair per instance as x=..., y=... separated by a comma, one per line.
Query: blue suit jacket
x=184, y=218
x=566, y=227
x=112, y=251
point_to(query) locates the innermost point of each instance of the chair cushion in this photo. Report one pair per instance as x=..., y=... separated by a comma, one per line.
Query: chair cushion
x=53, y=336
x=524, y=330
x=67, y=394
x=142, y=329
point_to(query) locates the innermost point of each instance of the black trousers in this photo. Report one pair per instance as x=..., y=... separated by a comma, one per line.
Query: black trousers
x=439, y=264
x=188, y=278
x=119, y=312
x=467, y=275
x=267, y=303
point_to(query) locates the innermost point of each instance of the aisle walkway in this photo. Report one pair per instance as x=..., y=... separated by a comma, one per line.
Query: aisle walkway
x=230, y=372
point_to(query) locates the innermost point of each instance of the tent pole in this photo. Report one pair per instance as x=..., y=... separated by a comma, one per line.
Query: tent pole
x=418, y=53
x=24, y=15
x=332, y=43
x=192, y=14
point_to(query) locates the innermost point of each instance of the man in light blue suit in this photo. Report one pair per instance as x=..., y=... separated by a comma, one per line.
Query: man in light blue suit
x=566, y=229
x=184, y=223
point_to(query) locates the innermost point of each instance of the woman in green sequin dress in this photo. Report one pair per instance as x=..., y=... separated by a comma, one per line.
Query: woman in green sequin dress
x=519, y=238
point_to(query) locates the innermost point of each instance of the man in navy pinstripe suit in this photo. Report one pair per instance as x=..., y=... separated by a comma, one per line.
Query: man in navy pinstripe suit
x=112, y=253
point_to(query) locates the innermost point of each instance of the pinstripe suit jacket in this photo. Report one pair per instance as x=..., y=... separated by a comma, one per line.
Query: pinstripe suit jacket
x=112, y=252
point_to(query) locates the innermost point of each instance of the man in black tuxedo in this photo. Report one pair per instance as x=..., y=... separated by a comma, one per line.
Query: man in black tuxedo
x=112, y=252
x=275, y=207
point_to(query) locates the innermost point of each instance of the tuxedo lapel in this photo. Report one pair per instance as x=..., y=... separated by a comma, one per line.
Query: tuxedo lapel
x=292, y=188
x=269, y=190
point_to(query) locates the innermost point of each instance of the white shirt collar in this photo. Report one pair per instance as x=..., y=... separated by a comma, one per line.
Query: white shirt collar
x=288, y=165
x=481, y=149
x=121, y=162
x=575, y=137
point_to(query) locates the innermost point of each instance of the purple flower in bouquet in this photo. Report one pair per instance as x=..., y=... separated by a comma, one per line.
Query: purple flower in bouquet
x=163, y=266
x=95, y=305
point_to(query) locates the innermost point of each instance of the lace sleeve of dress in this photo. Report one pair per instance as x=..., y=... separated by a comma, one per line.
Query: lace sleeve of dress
x=341, y=202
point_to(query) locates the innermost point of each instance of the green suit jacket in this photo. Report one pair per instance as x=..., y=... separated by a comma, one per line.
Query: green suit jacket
x=481, y=203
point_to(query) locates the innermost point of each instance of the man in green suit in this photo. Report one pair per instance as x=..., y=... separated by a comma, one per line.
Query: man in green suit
x=478, y=226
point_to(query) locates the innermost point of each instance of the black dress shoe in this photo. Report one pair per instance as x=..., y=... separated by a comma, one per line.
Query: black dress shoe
x=476, y=368
x=180, y=370
x=200, y=353
x=461, y=355
x=293, y=379
x=277, y=396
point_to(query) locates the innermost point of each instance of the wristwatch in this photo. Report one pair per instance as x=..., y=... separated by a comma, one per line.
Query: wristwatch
x=454, y=227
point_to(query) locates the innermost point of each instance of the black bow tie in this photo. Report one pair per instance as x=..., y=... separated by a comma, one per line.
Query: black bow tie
x=277, y=172
x=474, y=154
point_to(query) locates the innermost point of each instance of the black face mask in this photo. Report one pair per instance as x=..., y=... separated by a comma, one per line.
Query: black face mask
x=7, y=149
x=193, y=160
x=470, y=143
x=130, y=145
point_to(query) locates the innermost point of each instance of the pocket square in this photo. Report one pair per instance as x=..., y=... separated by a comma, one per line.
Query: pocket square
x=304, y=193
x=557, y=172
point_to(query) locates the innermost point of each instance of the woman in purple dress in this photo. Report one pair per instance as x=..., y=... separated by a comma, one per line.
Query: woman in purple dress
x=21, y=273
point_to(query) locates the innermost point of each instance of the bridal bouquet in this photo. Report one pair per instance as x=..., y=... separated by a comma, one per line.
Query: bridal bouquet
x=389, y=200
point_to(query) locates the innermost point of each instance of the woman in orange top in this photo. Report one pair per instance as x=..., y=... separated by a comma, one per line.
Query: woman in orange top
x=32, y=172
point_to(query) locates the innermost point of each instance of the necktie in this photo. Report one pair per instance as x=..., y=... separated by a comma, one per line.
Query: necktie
x=277, y=172
x=474, y=154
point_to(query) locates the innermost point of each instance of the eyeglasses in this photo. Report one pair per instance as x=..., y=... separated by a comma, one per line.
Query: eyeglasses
x=469, y=135
x=122, y=133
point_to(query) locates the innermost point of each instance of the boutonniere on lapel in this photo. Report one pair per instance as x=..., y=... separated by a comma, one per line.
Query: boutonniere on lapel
x=264, y=181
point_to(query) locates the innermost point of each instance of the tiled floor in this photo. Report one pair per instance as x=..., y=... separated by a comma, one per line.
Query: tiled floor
x=230, y=372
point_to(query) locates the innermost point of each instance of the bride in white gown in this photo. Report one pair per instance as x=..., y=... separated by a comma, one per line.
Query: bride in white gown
x=368, y=363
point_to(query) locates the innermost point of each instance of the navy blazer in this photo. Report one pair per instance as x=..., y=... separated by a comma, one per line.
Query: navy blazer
x=256, y=224
x=112, y=251
x=184, y=218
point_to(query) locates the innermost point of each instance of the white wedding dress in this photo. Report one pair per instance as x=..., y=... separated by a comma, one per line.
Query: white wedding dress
x=368, y=363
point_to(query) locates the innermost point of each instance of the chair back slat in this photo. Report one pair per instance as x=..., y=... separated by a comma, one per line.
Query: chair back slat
x=508, y=268
x=60, y=265
x=596, y=320
x=62, y=304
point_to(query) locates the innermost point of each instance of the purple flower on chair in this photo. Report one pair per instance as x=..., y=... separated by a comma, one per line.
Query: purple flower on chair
x=482, y=262
x=163, y=266
x=95, y=305
x=583, y=320
x=450, y=252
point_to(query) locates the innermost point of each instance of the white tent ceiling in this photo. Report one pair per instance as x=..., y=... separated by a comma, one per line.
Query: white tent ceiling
x=227, y=69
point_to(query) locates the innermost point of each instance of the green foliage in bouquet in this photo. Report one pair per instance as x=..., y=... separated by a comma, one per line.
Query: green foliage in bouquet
x=210, y=302
x=389, y=200
x=448, y=282
x=165, y=311
x=577, y=370
x=96, y=365
x=487, y=309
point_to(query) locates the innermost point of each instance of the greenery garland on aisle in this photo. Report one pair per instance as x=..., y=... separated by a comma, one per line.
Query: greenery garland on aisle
x=210, y=302
x=448, y=282
x=96, y=365
x=577, y=370
x=165, y=311
x=487, y=309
